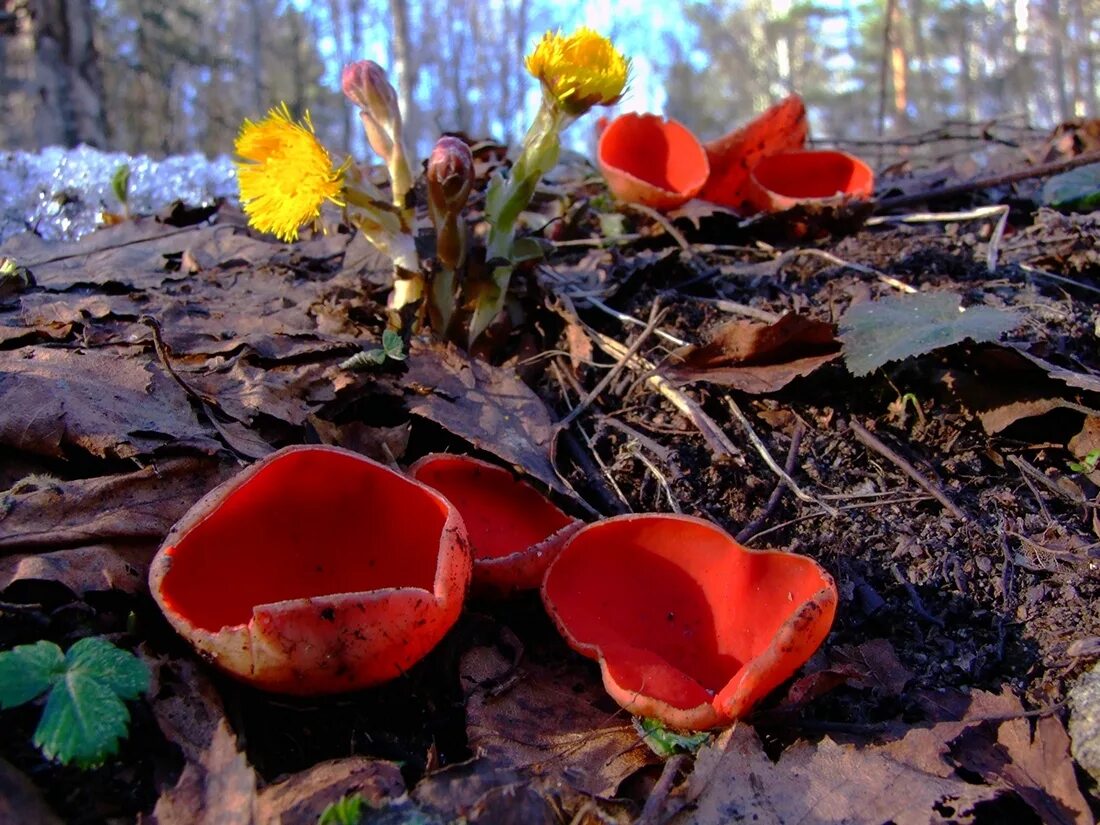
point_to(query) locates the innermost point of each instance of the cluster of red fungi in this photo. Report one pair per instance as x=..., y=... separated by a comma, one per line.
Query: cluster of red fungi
x=762, y=166
x=317, y=570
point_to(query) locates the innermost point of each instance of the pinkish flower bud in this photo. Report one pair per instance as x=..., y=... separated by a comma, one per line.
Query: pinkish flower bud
x=450, y=175
x=365, y=84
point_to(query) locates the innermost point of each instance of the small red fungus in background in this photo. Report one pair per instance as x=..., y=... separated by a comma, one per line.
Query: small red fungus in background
x=732, y=156
x=652, y=161
x=689, y=627
x=315, y=570
x=514, y=530
x=787, y=179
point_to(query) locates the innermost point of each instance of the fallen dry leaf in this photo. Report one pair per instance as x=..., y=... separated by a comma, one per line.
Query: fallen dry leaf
x=756, y=358
x=302, y=797
x=1036, y=764
x=913, y=779
x=133, y=253
x=104, y=403
x=108, y=510
x=734, y=780
x=1002, y=385
x=878, y=666
x=185, y=704
x=488, y=406
x=478, y=791
x=219, y=790
x=383, y=444
x=555, y=722
x=872, y=665
x=83, y=569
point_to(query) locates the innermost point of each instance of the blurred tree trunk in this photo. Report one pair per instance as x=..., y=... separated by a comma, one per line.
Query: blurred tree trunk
x=1056, y=32
x=404, y=65
x=257, y=11
x=67, y=74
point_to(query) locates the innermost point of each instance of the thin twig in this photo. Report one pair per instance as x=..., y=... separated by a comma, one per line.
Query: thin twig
x=1062, y=279
x=1027, y=469
x=988, y=182
x=866, y=505
x=655, y=316
x=999, y=211
x=667, y=225
x=630, y=319
x=711, y=432
x=587, y=463
x=914, y=598
x=773, y=465
x=875, y=444
x=749, y=530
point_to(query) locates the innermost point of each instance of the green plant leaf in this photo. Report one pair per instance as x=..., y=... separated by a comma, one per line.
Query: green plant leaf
x=347, y=810
x=665, y=742
x=1078, y=189
x=82, y=722
x=120, y=183
x=890, y=329
x=84, y=715
x=28, y=671
x=121, y=671
x=392, y=345
x=527, y=249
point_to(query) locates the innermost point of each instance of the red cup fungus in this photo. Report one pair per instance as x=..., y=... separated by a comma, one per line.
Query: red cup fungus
x=652, y=161
x=781, y=181
x=780, y=128
x=315, y=570
x=514, y=530
x=689, y=627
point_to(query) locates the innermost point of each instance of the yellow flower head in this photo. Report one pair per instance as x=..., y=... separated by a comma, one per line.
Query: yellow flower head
x=579, y=71
x=286, y=174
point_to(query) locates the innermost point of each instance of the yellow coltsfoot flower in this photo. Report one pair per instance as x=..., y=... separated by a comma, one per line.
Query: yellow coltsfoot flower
x=579, y=71
x=286, y=175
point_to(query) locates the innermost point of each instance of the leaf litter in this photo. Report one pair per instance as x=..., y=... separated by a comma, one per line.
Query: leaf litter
x=911, y=712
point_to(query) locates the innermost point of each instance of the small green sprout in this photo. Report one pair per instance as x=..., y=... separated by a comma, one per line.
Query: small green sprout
x=392, y=348
x=84, y=716
x=665, y=742
x=347, y=810
x=1088, y=462
x=120, y=183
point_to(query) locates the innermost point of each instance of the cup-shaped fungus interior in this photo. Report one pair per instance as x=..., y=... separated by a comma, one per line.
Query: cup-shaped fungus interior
x=650, y=160
x=309, y=523
x=674, y=607
x=503, y=515
x=814, y=175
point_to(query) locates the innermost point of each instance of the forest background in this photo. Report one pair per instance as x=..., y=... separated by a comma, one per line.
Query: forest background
x=145, y=76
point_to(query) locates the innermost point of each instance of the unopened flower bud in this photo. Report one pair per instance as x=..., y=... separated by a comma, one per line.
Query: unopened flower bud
x=450, y=175
x=365, y=84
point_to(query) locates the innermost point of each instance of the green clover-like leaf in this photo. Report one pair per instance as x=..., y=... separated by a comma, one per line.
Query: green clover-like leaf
x=125, y=674
x=28, y=671
x=84, y=717
x=82, y=722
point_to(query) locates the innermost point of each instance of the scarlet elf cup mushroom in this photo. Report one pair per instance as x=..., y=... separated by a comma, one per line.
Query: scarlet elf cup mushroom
x=315, y=570
x=689, y=627
x=515, y=531
x=651, y=160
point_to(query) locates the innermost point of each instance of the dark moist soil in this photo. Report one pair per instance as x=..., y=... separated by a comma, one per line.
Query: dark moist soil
x=964, y=603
